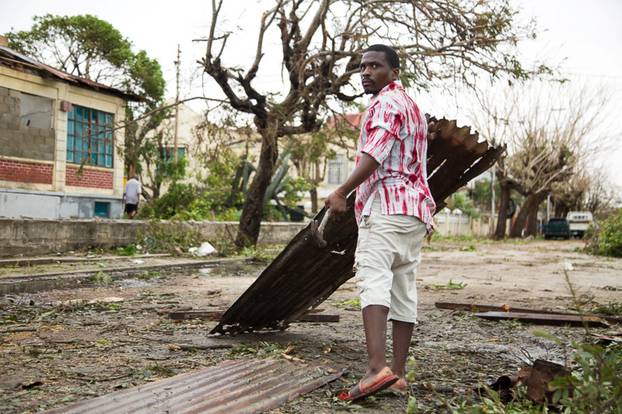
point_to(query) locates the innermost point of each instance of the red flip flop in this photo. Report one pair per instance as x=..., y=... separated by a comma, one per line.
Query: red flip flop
x=384, y=379
x=400, y=386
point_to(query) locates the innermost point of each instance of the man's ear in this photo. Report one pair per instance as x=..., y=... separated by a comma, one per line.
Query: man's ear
x=395, y=73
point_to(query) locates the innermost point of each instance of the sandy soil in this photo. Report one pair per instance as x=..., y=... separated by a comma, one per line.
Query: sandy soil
x=54, y=351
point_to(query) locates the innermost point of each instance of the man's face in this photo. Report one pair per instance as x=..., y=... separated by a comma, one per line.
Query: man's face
x=376, y=73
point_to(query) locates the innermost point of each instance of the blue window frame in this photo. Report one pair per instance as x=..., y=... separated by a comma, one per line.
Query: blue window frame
x=89, y=137
x=167, y=154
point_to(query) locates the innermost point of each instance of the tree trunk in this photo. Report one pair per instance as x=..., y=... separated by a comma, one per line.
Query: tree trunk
x=313, y=194
x=504, y=204
x=532, y=222
x=561, y=209
x=531, y=204
x=250, y=221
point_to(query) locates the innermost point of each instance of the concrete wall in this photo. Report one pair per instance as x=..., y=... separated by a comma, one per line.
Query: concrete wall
x=51, y=205
x=35, y=237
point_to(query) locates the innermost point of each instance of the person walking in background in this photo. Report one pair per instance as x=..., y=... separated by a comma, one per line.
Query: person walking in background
x=131, y=196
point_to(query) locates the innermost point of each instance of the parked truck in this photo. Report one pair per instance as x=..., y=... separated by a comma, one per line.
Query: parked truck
x=579, y=222
x=556, y=228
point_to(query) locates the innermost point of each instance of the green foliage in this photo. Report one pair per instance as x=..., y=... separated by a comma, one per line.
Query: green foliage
x=261, y=253
x=451, y=285
x=169, y=237
x=611, y=309
x=462, y=201
x=101, y=278
x=412, y=407
x=176, y=200
x=129, y=250
x=259, y=350
x=350, y=304
x=92, y=48
x=606, y=240
x=214, y=198
x=595, y=386
x=481, y=194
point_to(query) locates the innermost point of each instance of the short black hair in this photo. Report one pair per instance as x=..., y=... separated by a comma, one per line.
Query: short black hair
x=392, y=57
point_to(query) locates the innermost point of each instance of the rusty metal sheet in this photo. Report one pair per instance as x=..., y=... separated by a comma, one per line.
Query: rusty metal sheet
x=216, y=314
x=481, y=307
x=16, y=59
x=303, y=275
x=235, y=386
x=544, y=318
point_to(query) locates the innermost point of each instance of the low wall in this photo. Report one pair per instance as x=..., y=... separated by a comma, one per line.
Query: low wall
x=34, y=237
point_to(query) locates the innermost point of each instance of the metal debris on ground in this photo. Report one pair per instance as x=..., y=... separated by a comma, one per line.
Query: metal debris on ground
x=216, y=314
x=536, y=378
x=234, y=386
x=545, y=319
x=479, y=307
x=306, y=272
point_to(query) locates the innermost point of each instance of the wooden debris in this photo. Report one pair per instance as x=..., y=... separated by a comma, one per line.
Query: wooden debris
x=544, y=319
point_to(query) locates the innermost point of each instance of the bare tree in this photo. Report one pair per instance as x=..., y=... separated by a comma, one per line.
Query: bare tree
x=551, y=131
x=321, y=42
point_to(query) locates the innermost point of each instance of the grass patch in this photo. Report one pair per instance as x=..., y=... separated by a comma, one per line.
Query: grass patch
x=263, y=254
x=158, y=370
x=451, y=285
x=101, y=278
x=610, y=309
x=148, y=275
x=129, y=250
x=259, y=350
x=350, y=304
x=172, y=237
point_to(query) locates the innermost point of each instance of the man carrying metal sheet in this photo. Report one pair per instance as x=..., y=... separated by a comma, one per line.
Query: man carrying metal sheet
x=393, y=209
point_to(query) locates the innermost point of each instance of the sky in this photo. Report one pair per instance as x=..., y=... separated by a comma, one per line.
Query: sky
x=583, y=39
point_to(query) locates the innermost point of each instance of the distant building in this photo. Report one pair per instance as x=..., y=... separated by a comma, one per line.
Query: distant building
x=60, y=154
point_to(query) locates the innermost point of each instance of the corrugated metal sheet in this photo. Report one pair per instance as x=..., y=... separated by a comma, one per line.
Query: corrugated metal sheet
x=304, y=275
x=238, y=386
x=18, y=61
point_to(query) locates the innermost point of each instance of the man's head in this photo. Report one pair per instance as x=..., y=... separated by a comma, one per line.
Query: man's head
x=380, y=65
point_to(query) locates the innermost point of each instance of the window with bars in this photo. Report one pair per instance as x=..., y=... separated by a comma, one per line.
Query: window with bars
x=337, y=169
x=89, y=137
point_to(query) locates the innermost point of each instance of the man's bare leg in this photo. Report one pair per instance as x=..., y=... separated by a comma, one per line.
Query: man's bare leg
x=375, y=322
x=402, y=334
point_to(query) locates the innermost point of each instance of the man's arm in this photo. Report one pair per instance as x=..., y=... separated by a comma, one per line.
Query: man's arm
x=336, y=200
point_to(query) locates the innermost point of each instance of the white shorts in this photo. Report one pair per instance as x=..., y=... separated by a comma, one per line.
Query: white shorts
x=387, y=254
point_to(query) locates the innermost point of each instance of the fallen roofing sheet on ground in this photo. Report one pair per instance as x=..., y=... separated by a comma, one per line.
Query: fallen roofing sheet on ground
x=544, y=319
x=235, y=386
x=479, y=307
x=304, y=275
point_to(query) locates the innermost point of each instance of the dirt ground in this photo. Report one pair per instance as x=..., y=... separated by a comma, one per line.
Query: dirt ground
x=56, y=348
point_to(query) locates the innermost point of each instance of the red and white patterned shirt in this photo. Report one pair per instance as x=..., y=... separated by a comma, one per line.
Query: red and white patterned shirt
x=394, y=133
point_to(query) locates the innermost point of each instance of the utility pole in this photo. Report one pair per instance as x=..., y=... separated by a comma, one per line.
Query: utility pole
x=177, y=64
x=492, y=200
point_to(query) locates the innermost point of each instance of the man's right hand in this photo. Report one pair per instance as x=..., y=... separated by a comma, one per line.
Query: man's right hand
x=336, y=202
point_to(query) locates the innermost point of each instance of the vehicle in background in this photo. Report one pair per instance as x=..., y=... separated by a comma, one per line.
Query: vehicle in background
x=556, y=228
x=579, y=222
